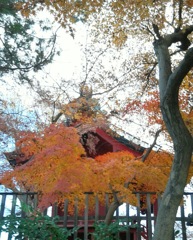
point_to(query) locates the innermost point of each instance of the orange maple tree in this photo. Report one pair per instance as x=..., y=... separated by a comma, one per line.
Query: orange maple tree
x=56, y=157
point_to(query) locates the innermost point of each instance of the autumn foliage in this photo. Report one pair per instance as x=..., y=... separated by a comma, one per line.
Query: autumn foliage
x=58, y=168
x=150, y=106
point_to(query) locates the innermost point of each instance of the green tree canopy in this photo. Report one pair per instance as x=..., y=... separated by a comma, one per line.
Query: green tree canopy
x=22, y=45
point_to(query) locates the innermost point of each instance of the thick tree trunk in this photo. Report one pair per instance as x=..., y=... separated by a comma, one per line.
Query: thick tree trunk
x=169, y=83
x=177, y=181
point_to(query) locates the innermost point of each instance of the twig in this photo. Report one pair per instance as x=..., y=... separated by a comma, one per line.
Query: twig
x=146, y=154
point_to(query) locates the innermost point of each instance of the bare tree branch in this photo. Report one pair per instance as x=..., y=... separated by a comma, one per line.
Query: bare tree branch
x=179, y=36
x=180, y=14
x=148, y=151
x=56, y=118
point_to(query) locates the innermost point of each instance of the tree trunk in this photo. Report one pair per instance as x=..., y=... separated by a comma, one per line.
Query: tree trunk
x=112, y=208
x=169, y=83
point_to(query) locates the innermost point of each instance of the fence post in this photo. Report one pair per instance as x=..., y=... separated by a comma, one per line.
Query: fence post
x=183, y=222
x=35, y=201
x=86, y=216
x=24, y=202
x=65, y=218
x=2, y=206
x=106, y=203
x=3, y=200
x=54, y=210
x=191, y=196
x=75, y=217
x=127, y=221
x=138, y=218
x=96, y=208
x=149, y=223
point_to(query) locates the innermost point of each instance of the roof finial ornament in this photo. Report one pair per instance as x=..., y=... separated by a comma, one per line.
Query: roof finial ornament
x=85, y=91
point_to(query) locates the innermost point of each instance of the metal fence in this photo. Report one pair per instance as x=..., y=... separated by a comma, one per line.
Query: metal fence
x=140, y=220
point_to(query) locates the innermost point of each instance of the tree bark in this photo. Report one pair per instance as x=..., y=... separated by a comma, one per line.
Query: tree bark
x=169, y=83
x=112, y=208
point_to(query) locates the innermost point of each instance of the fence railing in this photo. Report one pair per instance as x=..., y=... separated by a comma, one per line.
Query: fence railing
x=140, y=220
